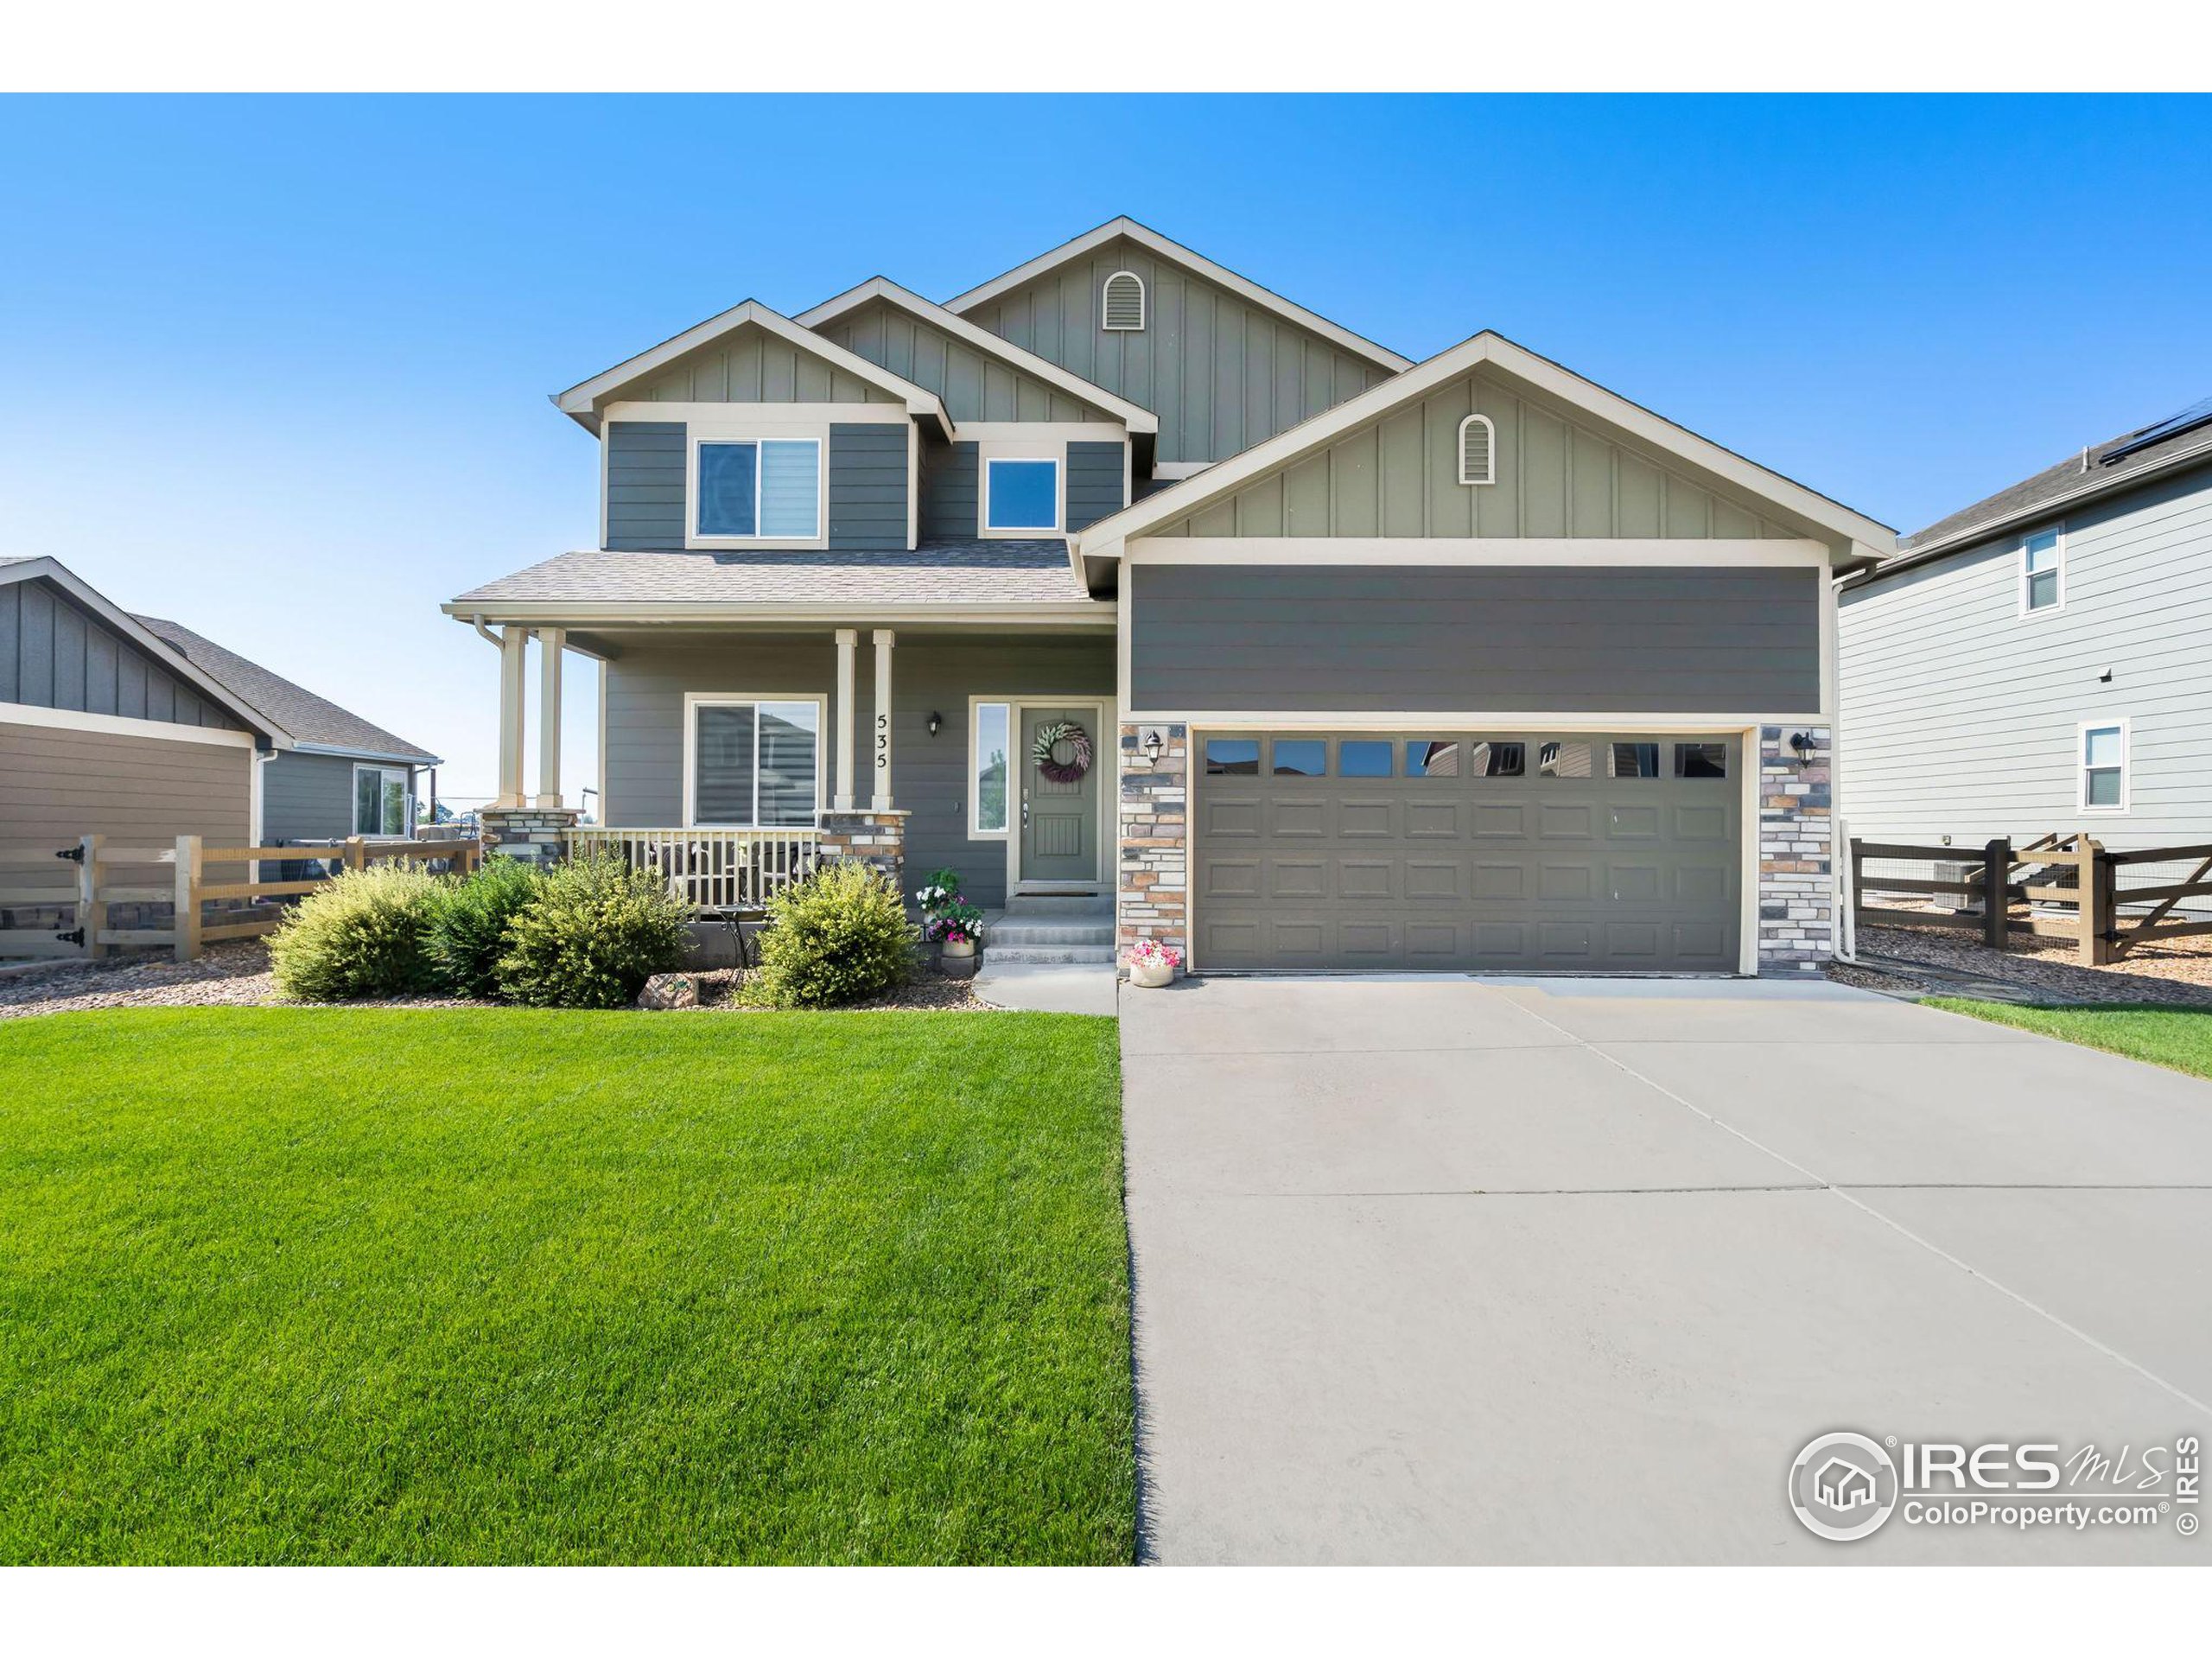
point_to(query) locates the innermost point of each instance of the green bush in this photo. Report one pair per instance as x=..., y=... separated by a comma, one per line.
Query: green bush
x=838, y=936
x=467, y=932
x=594, y=933
x=361, y=936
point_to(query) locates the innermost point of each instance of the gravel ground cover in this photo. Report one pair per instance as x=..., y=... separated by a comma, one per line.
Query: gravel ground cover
x=2177, y=973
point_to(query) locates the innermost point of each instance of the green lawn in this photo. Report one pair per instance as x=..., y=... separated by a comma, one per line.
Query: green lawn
x=2179, y=1037
x=353, y=1285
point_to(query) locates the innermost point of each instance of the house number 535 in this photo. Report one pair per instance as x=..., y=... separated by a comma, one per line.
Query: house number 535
x=883, y=741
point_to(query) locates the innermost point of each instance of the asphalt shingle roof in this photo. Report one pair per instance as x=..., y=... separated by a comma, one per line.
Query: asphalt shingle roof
x=936, y=573
x=2067, y=477
x=295, y=708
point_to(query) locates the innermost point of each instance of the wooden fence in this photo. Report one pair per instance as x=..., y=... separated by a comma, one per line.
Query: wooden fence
x=2070, y=886
x=109, y=873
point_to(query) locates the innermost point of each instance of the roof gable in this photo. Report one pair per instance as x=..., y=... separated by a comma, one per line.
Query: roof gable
x=979, y=376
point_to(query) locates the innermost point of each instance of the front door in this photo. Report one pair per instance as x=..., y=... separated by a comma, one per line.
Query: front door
x=1059, y=812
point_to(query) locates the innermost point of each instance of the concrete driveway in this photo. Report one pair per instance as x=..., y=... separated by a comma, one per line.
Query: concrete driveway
x=1436, y=1271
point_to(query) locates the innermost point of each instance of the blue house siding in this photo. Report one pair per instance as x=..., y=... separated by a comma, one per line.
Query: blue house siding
x=54, y=654
x=949, y=491
x=644, y=484
x=868, y=487
x=1094, y=474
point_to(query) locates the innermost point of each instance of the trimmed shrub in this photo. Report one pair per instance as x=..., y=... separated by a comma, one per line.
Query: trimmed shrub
x=361, y=936
x=467, y=932
x=594, y=933
x=838, y=936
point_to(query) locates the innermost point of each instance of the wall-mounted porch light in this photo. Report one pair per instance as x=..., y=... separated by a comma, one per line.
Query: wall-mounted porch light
x=936, y=721
x=1152, y=745
x=1802, y=742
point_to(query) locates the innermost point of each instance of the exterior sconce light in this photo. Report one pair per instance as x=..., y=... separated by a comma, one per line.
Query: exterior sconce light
x=936, y=721
x=1803, y=743
x=1152, y=745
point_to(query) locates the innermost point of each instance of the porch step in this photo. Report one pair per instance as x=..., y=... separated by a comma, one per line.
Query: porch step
x=997, y=955
x=1012, y=929
x=1045, y=928
x=1040, y=904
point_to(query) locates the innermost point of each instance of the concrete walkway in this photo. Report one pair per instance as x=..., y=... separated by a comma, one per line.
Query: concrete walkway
x=1443, y=1270
x=1049, y=988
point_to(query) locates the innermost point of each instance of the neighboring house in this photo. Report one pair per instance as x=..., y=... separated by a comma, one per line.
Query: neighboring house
x=2037, y=663
x=140, y=730
x=1463, y=664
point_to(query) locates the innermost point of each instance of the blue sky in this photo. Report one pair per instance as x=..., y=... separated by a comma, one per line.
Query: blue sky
x=280, y=366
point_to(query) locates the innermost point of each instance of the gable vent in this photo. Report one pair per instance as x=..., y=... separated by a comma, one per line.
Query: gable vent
x=1124, y=311
x=1477, y=450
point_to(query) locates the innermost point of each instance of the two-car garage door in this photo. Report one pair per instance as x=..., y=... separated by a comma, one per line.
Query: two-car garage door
x=1504, y=851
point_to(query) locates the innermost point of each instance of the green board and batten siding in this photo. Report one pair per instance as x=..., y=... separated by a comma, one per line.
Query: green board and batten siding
x=974, y=385
x=753, y=366
x=1220, y=372
x=1399, y=475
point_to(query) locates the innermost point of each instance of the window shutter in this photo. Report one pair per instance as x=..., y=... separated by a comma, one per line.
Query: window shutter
x=1477, y=450
x=1124, y=301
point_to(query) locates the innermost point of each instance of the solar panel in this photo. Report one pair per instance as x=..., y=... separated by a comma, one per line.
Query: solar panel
x=2159, y=432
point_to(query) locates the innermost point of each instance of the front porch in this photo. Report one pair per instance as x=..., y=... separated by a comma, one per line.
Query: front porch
x=735, y=758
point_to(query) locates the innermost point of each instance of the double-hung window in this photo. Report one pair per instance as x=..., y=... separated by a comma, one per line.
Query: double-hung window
x=381, y=800
x=757, y=489
x=752, y=762
x=2104, y=766
x=2042, y=571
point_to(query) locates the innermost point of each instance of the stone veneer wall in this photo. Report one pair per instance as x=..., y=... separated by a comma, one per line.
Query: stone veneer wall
x=866, y=835
x=1153, y=871
x=528, y=831
x=1796, y=878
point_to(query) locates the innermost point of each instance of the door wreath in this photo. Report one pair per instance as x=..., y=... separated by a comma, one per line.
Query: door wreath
x=1044, y=752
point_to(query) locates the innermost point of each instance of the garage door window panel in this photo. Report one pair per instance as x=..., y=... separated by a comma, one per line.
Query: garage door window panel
x=1298, y=757
x=1232, y=757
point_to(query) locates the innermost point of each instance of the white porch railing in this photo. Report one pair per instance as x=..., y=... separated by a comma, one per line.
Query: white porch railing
x=714, y=869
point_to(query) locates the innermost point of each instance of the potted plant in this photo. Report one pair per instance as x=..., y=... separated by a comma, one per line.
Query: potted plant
x=941, y=887
x=1153, y=965
x=958, y=926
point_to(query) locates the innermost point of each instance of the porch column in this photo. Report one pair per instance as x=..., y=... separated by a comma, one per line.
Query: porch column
x=849, y=641
x=884, y=640
x=512, y=642
x=550, y=643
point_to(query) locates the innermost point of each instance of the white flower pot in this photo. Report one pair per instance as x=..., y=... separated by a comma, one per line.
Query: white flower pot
x=1151, y=974
x=959, y=948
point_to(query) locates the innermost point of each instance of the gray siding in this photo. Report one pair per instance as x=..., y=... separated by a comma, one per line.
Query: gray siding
x=61, y=785
x=54, y=654
x=1961, y=717
x=1221, y=374
x=307, y=797
x=1095, y=474
x=645, y=688
x=1379, y=638
x=868, y=487
x=644, y=484
x=753, y=366
x=949, y=491
x=974, y=385
x=1555, y=476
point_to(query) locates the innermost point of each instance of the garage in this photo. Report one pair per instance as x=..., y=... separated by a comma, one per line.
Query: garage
x=1520, y=851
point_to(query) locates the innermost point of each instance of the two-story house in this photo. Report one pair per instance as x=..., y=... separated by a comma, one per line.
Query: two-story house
x=1122, y=577
x=2034, y=663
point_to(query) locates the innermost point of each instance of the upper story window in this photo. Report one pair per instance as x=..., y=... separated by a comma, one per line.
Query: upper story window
x=2042, y=571
x=1022, y=496
x=1122, y=307
x=757, y=489
x=1477, y=450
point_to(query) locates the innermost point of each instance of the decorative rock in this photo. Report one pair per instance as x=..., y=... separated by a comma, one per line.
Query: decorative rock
x=669, y=991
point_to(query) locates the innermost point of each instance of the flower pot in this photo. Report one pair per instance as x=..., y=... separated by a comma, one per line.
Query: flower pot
x=959, y=959
x=1151, y=974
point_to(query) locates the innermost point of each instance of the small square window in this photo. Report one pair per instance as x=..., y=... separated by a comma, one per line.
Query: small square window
x=1700, y=759
x=1362, y=757
x=1232, y=757
x=1565, y=759
x=1431, y=758
x=1022, y=495
x=1487, y=760
x=1632, y=759
x=1300, y=757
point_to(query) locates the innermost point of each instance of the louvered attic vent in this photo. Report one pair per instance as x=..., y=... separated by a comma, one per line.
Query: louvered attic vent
x=1124, y=301
x=1477, y=450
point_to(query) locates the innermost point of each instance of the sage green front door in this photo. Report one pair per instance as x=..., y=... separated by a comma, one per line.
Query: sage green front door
x=1060, y=816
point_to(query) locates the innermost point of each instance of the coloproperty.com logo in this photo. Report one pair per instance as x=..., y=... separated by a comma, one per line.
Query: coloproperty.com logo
x=1845, y=1486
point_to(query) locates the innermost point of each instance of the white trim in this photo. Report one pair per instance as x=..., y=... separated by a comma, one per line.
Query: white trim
x=1752, y=763
x=1175, y=253
x=821, y=416
x=355, y=751
x=1105, y=739
x=757, y=433
x=976, y=703
x=2124, y=724
x=581, y=401
x=885, y=706
x=990, y=454
x=1094, y=613
x=1859, y=537
x=73, y=720
x=1468, y=549
x=407, y=803
x=1135, y=415
x=1490, y=449
x=168, y=658
x=1664, y=725
x=1179, y=470
x=1062, y=432
x=2057, y=532
x=693, y=700
x=847, y=640
x=1106, y=324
